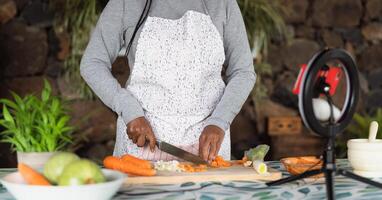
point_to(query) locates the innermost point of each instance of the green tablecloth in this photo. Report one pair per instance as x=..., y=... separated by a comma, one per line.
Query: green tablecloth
x=307, y=189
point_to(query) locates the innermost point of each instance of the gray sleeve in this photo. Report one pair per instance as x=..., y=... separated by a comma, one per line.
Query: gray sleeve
x=240, y=72
x=101, y=52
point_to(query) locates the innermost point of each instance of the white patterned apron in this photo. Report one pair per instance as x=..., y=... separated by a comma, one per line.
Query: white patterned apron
x=177, y=80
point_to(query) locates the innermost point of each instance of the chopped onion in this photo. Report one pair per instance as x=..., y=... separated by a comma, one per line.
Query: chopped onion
x=172, y=166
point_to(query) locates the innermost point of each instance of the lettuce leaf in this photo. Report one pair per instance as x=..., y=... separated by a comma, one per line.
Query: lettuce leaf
x=257, y=153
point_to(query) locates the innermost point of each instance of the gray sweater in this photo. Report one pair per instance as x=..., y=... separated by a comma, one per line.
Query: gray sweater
x=115, y=26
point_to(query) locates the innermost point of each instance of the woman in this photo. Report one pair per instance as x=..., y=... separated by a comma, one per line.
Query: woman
x=175, y=92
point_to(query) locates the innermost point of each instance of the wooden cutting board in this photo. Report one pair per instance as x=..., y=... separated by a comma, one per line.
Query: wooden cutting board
x=233, y=173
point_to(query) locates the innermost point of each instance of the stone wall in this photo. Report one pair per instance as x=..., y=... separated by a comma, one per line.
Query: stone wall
x=30, y=51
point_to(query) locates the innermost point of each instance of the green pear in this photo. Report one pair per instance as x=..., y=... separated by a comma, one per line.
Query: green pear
x=56, y=164
x=81, y=172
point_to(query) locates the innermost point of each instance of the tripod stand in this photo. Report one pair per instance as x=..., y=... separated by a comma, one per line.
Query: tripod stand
x=329, y=167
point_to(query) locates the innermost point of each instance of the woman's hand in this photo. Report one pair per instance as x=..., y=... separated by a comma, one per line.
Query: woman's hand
x=139, y=131
x=210, y=141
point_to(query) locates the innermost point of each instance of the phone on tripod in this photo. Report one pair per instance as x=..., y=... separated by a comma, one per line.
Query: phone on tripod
x=329, y=75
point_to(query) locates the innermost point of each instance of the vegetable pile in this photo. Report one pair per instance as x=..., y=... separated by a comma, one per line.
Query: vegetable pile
x=132, y=165
x=63, y=169
x=138, y=167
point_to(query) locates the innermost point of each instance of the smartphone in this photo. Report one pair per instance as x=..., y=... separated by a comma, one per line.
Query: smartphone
x=331, y=76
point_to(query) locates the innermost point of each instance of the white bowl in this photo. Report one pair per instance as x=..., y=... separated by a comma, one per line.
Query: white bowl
x=15, y=184
x=365, y=157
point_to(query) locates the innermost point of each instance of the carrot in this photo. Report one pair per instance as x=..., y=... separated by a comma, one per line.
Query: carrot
x=116, y=163
x=135, y=170
x=31, y=176
x=136, y=161
x=110, y=163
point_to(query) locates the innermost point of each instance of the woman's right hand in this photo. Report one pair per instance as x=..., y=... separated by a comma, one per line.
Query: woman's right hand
x=139, y=131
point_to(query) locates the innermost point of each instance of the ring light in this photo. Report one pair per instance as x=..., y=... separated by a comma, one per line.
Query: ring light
x=307, y=91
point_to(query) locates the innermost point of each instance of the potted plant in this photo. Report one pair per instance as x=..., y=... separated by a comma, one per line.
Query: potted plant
x=35, y=127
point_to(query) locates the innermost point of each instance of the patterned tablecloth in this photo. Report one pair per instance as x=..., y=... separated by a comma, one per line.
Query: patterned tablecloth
x=307, y=189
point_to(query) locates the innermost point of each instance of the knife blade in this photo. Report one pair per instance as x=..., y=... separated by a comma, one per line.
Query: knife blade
x=180, y=153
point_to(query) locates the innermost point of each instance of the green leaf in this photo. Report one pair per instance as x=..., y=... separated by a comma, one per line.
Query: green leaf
x=19, y=101
x=46, y=92
x=7, y=124
x=9, y=103
x=45, y=95
x=257, y=153
x=62, y=122
x=7, y=116
x=47, y=86
x=55, y=106
x=67, y=129
x=7, y=132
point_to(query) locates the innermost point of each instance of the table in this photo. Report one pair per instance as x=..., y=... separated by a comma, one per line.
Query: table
x=307, y=189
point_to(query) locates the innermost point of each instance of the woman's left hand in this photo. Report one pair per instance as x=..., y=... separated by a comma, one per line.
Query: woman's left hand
x=210, y=141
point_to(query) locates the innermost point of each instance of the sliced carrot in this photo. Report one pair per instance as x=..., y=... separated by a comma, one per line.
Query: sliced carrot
x=214, y=164
x=193, y=168
x=31, y=176
x=225, y=164
x=116, y=163
x=220, y=162
x=136, y=161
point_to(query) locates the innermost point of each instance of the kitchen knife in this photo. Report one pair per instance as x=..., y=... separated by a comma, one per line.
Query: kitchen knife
x=180, y=153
